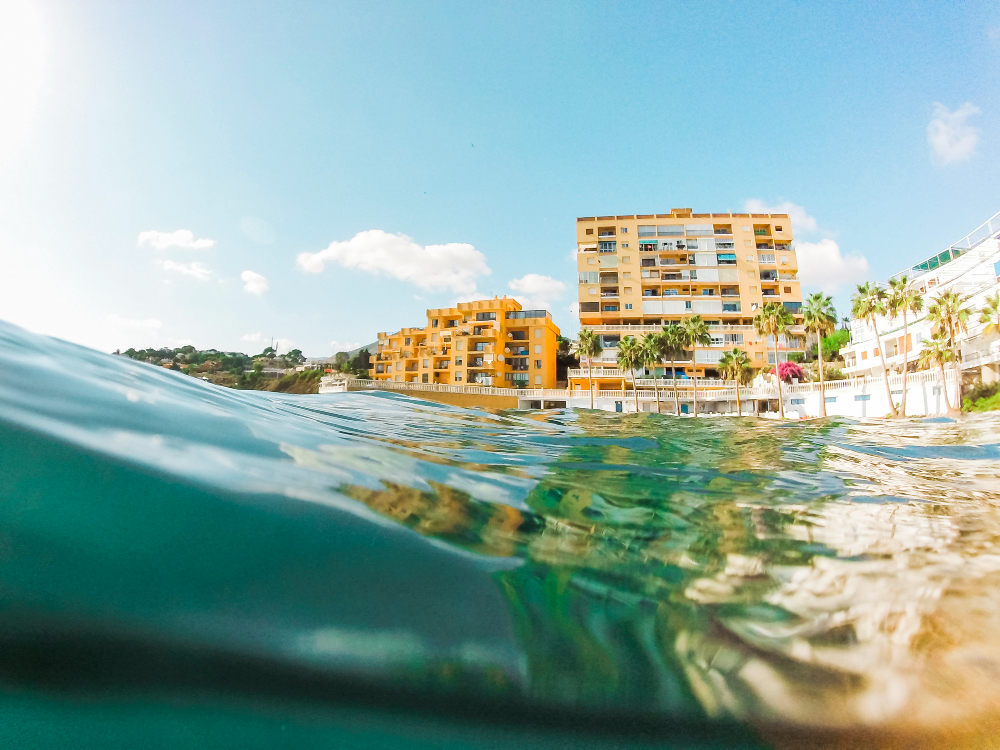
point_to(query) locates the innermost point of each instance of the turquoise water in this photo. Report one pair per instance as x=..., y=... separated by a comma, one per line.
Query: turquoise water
x=189, y=565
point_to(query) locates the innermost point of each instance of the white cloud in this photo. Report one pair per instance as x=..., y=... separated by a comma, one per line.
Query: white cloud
x=344, y=346
x=182, y=238
x=950, y=137
x=281, y=345
x=823, y=266
x=254, y=283
x=196, y=270
x=801, y=221
x=252, y=338
x=537, y=292
x=454, y=266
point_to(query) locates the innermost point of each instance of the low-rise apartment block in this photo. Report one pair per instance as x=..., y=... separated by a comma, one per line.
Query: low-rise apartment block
x=970, y=267
x=487, y=342
x=640, y=272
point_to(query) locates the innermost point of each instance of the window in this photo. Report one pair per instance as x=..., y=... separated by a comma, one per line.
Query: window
x=592, y=290
x=830, y=399
x=538, y=379
x=538, y=364
x=753, y=289
x=875, y=353
x=434, y=337
x=749, y=259
x=798, y=401
x=590, y=231
x=647, y=231
x=628, y=305
x=784, y=260
x=746, y=243
x=758, y=355
x=864, y=356
x=423, y=378
x=588, y=277
x=777, y=229
x=610, y=308
x=486, y=316
x=624, y=244
x=407, y=341
x=538, y=333
x=426, y=362
x=628, y=290
x=687, y=305
x=591, y=261
x=627, y=275
x=707, y=292
x=388, y=368
x=623, y=230
x=589, y=307
x=788, y=290
x=627, y=259
x=458, y=361
x=746, y=228
x=434, y=323
x=458, y=377
x=607, y=247
x=460, y=344
x=538, y=348
x=670, y=230
x=863, y=397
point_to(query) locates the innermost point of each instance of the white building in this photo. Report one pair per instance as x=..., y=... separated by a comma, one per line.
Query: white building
x=970, y=267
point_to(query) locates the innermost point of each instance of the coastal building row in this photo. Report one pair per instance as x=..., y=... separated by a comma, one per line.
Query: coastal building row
x=490, y=342
x=971, y=267
x=639, y=272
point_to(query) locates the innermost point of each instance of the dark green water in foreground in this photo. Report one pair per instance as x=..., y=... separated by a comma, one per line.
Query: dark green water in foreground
x=187, y=565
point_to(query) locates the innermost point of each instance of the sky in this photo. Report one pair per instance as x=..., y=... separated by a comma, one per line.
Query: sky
x=225, y=174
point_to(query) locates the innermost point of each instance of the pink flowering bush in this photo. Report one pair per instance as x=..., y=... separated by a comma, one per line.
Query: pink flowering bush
x=789, y=370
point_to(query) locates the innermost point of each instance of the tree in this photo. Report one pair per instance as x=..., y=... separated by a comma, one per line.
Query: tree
x=670, y=341
x=904, y=299
x=773, y=320
x=990, y=314
x=565, y=358
x=868, y=303
x=946, y=311
x=650, y=354
x=629, y=358
x=735, y=365
x=269, y=352
x=588, y=344
x=936, y=352
x=820, y=318
x=695, y=333
x=295, y=357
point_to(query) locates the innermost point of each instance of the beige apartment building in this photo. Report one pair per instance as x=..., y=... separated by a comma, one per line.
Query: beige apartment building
x=640, y=272
x=487, y=342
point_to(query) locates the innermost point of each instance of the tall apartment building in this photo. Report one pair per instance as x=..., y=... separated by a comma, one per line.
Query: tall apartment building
x=486, y=342
x=640, y=272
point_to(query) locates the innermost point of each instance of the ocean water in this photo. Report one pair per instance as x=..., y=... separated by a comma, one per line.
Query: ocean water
x=184, y=565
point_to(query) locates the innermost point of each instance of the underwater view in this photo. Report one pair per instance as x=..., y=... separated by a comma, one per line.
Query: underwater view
x=199, y=563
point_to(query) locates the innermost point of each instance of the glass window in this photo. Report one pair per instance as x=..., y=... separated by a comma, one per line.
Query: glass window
x=435, y=323
x=863, y=397
x=538, y=364
x=831, y=399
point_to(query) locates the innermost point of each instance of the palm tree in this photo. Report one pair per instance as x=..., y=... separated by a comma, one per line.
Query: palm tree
x=629, y=358
x=868, y=304
x=904, y=299
x=946, y=311
x=588, y=344
x=936, y=352
x=820, y=318
x=773, y=320
x=735, y=365
x=671, y=342
x=990, y=314
x=695, y=333
x=650, y=353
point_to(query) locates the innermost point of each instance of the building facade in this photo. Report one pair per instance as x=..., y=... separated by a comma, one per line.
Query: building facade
x=970, y=267
x=640, y=272
x=487, y=342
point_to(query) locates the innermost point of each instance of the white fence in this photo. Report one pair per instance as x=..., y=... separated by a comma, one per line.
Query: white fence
x=855, y=397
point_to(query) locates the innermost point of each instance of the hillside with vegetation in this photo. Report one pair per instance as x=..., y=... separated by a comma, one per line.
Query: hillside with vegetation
x=267, y=371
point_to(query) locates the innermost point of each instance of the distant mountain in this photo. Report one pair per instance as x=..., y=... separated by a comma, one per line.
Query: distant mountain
x=371, y=348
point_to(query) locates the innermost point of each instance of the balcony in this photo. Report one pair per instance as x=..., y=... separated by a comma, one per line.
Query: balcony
x=609, y=295
x=606, y=234
x=760, y=232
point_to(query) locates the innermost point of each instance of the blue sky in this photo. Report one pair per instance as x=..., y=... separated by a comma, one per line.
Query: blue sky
x=296, y=140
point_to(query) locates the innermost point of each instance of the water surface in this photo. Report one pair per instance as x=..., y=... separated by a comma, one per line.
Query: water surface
x=168, y=543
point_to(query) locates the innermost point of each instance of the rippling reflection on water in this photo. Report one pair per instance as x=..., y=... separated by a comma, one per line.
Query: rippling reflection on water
x=832, y=574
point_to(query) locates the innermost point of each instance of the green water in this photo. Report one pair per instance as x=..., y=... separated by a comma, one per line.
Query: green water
x=183, y=565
